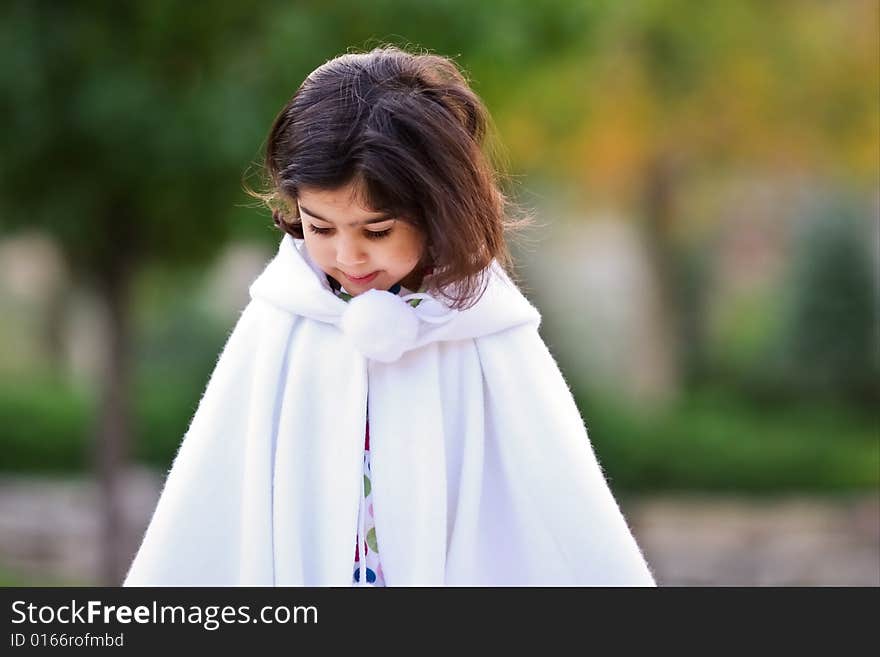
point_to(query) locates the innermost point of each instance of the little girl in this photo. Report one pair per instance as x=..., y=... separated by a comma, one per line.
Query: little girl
x=386, y=387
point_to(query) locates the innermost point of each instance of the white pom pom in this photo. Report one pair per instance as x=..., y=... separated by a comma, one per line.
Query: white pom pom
x=380, y=325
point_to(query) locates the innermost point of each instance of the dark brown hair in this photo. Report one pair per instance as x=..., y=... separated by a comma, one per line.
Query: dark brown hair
x=411, y=135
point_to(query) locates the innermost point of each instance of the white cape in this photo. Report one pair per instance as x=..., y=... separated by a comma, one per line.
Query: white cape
x=482, y=472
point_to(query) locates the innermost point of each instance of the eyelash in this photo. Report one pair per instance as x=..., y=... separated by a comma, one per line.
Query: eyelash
x=371, y=234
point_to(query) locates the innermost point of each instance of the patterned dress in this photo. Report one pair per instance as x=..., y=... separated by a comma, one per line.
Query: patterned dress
x=366, y=543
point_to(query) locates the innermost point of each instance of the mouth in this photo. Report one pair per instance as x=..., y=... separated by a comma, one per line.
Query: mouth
x=362, y=279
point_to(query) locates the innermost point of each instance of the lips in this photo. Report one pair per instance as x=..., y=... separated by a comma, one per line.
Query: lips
x=362, y=279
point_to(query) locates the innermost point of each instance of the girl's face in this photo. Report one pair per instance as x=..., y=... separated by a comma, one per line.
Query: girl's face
x=349, y=242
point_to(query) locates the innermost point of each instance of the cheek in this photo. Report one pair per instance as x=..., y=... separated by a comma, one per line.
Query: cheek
x=404, y=258
x=410, y=249
x=321, y=244
x=319, y=249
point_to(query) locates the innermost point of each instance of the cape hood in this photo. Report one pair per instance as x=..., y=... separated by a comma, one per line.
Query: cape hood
x=376, y=318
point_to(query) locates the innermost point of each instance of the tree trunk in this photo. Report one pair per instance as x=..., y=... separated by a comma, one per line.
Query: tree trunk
x=56, y=326
x=113, y=439
x=660, y=188
x=680, y=275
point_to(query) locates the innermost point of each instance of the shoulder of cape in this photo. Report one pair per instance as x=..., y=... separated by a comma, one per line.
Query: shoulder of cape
x=511, y=341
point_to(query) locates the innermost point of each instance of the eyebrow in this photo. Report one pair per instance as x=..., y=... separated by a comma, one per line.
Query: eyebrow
x=376, y=220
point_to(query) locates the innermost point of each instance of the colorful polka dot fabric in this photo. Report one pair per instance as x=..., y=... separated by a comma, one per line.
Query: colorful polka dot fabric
x=368, y=546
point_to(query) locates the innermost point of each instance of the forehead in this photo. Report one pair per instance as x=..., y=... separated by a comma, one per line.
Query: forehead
x=338, y=206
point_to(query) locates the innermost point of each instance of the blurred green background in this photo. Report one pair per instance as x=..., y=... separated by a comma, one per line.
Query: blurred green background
x=704, y=177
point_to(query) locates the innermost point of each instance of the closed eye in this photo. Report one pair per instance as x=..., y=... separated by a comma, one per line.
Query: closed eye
x=369, y=234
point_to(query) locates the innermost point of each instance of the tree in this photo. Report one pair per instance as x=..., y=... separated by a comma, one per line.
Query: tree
x=124, y=139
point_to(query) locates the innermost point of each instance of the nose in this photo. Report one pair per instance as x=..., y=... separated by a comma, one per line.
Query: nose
x=349, y=253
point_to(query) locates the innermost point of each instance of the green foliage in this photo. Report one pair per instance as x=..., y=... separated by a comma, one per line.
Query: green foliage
x=715, y=440
x=829, y=341
x=712, y=441
x=127, y=134
x=178, y=344
x=129, y=130
x=803, y=325
x=46, y=427
x=48, y=424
